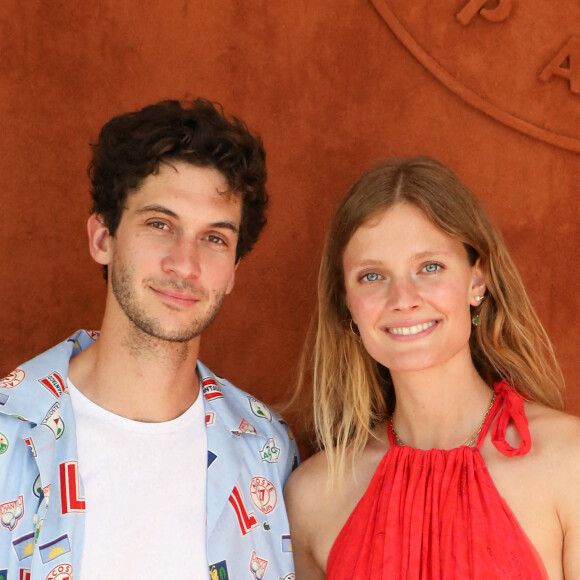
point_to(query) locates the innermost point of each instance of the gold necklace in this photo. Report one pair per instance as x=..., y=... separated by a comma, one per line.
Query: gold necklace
x=469, y=441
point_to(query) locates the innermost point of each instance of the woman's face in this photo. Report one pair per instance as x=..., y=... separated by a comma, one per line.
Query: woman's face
x=409, y=287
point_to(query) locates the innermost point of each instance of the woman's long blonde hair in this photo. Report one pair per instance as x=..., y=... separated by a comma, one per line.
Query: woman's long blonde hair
x=351, y=391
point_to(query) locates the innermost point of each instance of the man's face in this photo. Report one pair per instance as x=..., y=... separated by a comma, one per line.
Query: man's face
x=172, y=259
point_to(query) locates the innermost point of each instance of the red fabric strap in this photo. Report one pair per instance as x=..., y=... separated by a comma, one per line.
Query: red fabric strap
x=512, y=409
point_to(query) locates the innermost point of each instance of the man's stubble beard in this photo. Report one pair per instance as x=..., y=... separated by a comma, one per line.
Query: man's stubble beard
x=123, y=286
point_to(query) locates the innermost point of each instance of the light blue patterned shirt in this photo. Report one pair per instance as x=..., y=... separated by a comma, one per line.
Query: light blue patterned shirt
x=251, y=452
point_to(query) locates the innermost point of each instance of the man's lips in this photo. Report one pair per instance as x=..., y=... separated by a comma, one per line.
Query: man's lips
x=176, y=296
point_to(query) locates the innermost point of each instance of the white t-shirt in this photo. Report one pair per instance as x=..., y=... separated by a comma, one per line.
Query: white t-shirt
x=145, y=491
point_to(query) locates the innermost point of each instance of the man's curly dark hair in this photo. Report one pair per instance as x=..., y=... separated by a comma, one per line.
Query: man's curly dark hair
x=131, y=146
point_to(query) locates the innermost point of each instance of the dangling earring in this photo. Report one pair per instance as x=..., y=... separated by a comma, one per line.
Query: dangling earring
x=475, y=319
x=354, y=330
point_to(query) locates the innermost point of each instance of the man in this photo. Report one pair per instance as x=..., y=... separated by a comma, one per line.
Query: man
x=121, y=455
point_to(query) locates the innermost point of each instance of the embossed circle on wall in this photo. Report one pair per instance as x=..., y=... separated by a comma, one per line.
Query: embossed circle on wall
x=518, y=62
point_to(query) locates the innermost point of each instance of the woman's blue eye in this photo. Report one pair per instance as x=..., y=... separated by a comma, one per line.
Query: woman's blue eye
x=371, y=277
x=432, y=267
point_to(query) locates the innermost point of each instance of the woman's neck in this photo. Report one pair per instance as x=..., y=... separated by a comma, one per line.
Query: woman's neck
x=439, y=409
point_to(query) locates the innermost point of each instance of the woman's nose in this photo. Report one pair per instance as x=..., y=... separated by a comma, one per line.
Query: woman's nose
x=403, y=294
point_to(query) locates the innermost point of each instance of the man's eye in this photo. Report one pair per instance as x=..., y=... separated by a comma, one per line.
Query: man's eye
x=371, y=277
x=432, y=267
x=215, y=239
x=158, y=225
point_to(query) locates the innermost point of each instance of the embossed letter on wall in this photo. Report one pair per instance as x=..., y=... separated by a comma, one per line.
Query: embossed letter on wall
x=473, y=7
x=566, y=64
x=510, y=59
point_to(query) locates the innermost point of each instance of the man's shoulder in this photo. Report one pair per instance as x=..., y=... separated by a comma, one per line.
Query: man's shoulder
x=215, y=387
x=13, y=425
x=53, y=360
x=245, y=413
x=32, y=388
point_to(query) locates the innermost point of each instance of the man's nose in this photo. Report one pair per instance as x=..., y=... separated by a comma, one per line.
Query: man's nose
x=183, y=259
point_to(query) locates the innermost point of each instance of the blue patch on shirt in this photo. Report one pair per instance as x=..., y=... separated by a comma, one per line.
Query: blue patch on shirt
x=219, y=571
x=54, y=549
x=211, y=457
x=24, y=546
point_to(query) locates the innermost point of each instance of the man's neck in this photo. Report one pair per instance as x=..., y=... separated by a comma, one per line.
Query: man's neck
x=137, y=376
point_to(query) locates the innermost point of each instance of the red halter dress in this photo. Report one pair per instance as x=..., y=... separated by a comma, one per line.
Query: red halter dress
x=436, y=515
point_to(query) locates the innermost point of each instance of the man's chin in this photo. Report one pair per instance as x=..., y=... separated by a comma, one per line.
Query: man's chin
x=170, y=327
x=172, y=336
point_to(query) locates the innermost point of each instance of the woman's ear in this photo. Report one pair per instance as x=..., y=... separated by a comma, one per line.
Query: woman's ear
x=478, y=286
x=349, y=311
x=100, y=241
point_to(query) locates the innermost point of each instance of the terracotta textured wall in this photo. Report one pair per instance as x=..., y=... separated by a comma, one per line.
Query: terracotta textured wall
x=331, y=87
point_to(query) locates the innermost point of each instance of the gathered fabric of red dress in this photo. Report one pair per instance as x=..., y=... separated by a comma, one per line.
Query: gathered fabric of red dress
x=436, y=514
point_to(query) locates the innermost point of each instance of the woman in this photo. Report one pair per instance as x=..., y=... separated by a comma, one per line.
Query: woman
x=437, y=399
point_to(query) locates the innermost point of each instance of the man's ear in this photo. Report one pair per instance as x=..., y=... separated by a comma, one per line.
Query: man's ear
x=478, y=286
x=100, y=241
x=230, y=285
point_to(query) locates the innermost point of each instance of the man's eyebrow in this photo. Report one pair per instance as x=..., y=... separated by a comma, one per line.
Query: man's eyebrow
x=157, y=209
x=227, y=225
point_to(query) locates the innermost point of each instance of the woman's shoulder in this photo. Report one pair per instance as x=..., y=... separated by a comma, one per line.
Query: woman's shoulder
x=553, y=460
x=555, y=437
x=556, y=444
x=311, y=472
x=314, y=471
x=319, y=505
x=309, y=499
x=553, y=431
